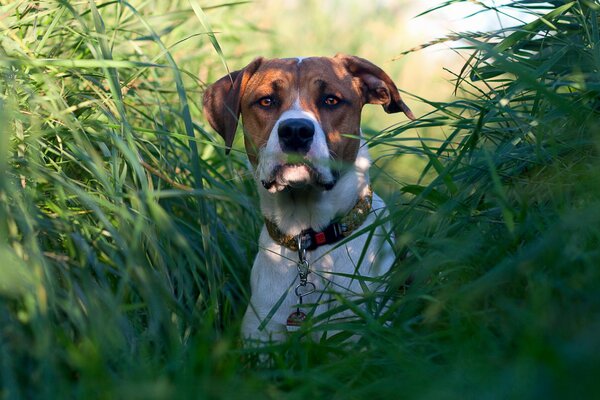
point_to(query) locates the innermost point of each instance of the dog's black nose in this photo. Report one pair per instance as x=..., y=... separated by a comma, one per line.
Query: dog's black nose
x=296, y=135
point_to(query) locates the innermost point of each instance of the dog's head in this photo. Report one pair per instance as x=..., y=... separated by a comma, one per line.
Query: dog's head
x=301, y=116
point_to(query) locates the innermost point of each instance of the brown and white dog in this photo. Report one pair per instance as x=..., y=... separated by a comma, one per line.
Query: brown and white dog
x=301, y=121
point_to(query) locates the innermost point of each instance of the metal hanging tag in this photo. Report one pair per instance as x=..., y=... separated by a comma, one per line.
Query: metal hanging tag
x=295, y=320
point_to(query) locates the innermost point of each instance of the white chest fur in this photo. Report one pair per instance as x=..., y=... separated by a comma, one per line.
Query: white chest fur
x=334, y=269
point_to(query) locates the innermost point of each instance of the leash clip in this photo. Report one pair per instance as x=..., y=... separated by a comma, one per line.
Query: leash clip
x=304, y=288
x=303, y=271
x=303, y=265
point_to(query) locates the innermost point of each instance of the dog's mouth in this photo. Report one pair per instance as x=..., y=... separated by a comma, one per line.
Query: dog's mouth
x=299, y=175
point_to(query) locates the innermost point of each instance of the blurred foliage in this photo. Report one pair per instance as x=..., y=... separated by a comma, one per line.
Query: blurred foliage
x=126, y=234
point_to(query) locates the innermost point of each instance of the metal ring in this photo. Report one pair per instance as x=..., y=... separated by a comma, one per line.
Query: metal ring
x=301, y=249
x=310, y=288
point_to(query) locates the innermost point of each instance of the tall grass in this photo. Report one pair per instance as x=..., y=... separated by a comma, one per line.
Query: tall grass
x=127, y=235
x=114, y=258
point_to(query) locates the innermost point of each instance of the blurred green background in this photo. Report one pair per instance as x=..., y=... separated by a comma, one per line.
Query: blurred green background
x=127, y=234
x=380, y=31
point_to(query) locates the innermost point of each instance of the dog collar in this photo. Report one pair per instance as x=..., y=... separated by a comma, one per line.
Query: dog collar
x=335, y=231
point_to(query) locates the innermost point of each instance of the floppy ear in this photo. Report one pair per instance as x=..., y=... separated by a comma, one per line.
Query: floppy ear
x=222, y=101
x=378, y=87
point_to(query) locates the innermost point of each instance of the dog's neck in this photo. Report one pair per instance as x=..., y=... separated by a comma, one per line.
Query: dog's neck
x=294, y=211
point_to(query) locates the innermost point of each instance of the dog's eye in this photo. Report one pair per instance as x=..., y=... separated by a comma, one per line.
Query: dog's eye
x=331, y=100
x=266, y=102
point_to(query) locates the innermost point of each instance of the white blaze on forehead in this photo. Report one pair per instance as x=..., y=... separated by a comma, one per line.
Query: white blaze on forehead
x=299, y=59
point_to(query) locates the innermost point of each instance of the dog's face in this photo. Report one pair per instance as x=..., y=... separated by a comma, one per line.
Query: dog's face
x=301, y=117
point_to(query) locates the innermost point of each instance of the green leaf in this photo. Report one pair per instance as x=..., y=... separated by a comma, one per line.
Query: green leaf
x=434, y=196
x=532, y=28
x=442, y=171
x=211, y=35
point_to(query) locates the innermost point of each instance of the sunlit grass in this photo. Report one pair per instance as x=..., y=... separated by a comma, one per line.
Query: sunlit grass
x=127, y=235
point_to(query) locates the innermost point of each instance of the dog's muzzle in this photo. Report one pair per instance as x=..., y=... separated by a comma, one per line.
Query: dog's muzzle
x=297, y=158
x=296, y=135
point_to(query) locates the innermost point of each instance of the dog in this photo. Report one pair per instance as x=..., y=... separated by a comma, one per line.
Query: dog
x=301, y=122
